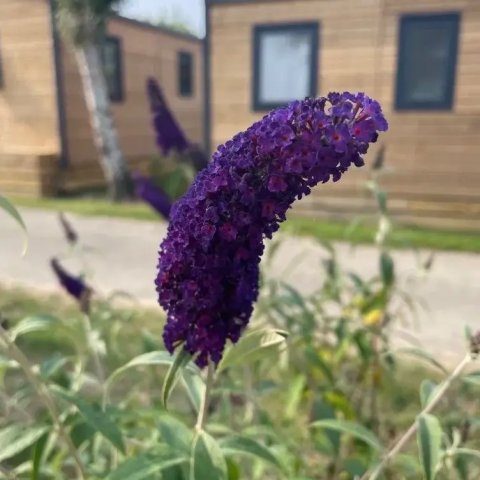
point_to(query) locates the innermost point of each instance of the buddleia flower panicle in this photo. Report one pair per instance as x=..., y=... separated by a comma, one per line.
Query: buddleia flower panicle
x=75, y=286
x=208, y=269
x=147, y=191
x=68, y=230
x=169, y=135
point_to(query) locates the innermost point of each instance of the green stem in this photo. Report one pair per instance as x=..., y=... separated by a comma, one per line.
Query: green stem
x=96, y=358
x=413, y=428
x=203, y=411
x=44, y=395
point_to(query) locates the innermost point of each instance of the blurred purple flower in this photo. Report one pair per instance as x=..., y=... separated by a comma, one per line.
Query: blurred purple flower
x=209, y=262
x=70, y=233
x=151, y=194
x=75, y=286
x=169, y=134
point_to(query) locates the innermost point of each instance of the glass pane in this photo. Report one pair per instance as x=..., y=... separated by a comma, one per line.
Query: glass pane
x=185, y=73
x=284, y=66
x=426, y=69
x=111, y=68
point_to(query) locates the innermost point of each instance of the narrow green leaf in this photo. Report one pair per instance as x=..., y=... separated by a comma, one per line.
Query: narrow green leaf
x=295, y=396
x=144, y=466
x=461, y=466
x=181, y=360
x=429, y=438
x=37, y=456
x=34, y=323
x=207, y=460
x=195, y=386
x=351, y=428
x=467, y=452
x=472, y=378
x=417, y=352
x=11, y=210
x=252, y=347
x=16, y=438
x=158, y=357
x=237, y=444
x=52, y=365
x=408, y=465
x=427, y=390
x=175, y=434
x=96, y=418
x=233, y=470
x=316, y=359
x=355, y=467
x=387, y=269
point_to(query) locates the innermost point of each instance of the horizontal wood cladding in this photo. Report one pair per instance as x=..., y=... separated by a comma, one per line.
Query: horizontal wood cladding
x=432, y=156
x=146, y=52
x=88, y=173
x=28, y=105
x=28, y=174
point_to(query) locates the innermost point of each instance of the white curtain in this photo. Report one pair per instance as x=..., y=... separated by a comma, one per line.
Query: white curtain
x=284, y=66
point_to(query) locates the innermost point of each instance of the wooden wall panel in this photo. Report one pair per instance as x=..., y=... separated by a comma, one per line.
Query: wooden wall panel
x=146, y=52
x=28, y=106
x=432, y=156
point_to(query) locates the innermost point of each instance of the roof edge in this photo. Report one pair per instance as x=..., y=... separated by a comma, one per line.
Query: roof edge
x=227, y=2
x=158, y=28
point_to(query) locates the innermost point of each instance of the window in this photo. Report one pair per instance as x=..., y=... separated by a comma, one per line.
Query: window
x=284, y=63
x=185, y=74
x=112, y=67
x=427, y=61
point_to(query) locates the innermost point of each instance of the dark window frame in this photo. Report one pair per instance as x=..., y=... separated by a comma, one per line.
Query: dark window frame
x=119, y=95
x=401, y=99
x=313, y=29
x=181, y=90
x=2, y=77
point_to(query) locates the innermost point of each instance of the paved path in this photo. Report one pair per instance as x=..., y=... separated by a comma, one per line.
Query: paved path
x=123, y=255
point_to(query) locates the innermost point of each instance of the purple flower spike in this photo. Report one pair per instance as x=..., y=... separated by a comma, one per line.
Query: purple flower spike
x=169, y=135
x=75, y=286
x=209, y=262
x=151, y=194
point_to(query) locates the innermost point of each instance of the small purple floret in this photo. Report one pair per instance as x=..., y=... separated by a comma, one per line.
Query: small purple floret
x=209, y=262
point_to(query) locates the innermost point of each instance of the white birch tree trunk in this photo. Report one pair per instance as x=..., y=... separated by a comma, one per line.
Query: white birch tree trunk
x=101, y=119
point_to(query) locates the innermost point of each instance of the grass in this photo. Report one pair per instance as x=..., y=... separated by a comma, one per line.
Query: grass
x=402, y=237
x=90, y=206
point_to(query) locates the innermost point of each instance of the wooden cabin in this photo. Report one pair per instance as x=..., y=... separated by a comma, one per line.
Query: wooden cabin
x=46, y=141
x=420, y=58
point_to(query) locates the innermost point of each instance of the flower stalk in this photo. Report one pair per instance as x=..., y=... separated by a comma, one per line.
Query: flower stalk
x=89, y=334
x=45, y=397
x=407, y=436
x=203, y=410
